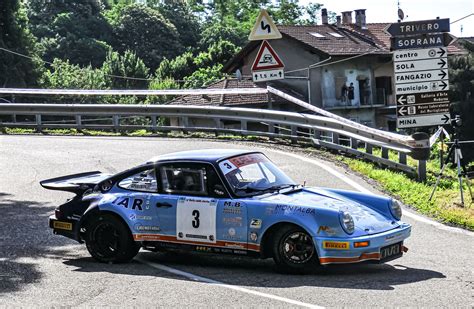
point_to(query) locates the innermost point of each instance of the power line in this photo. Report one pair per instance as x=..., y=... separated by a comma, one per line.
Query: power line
x=109, y=75
x=462, y=18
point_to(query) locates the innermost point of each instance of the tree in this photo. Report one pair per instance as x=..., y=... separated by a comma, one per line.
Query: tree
x=187, y=24
x=16, y=70
x=204, y=76
x=146, y=32
x=125, y=72
x=72, y=30
x=162, y=84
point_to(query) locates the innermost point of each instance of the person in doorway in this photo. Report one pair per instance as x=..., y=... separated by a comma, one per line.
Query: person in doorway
x=350, y=93
x=366, y=92
x=344, y=93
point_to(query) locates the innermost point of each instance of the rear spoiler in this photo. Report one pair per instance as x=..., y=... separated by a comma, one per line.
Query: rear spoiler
x=75, y=183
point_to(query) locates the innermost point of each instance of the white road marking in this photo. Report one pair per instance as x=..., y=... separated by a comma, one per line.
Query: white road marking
x=360, y=188
x=224, y=285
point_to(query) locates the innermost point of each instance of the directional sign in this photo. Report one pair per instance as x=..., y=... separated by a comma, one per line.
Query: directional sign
x=262, y=76
x=419, y=54
x=423, y=109
x=418, y=27
x=422, y=41
x=440, y=85
x=420, y=76
x=423, y=121
x=421, y=65
x=421, y=98
x=264, y=28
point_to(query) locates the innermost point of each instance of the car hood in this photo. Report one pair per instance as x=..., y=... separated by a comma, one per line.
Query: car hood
x=367, y=221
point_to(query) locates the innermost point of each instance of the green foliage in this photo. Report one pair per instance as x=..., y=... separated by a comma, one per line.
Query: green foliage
x=16, y=71
x=72, y=30
x=63, y=75
x=161, y=84
x=177, y=68
x=128, y=65
x=146, y=32
x=461, y=74
x=204, y=76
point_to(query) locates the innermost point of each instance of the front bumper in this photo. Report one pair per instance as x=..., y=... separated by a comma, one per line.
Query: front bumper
x=64, y=227
x=343, y=250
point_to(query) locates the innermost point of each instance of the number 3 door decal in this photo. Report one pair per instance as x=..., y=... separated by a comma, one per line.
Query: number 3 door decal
x=196, y=219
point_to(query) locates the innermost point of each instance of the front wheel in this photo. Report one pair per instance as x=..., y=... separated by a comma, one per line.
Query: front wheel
x=294, y=251
x=109, y=240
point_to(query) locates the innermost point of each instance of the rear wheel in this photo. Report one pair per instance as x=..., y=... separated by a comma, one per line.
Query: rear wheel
x=294, y=251
x=108, y=239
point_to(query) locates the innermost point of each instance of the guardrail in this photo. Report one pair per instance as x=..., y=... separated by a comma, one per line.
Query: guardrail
x=322, y=131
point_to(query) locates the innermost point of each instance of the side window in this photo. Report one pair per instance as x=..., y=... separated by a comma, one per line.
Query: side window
x=177, y=179
x=144, y=181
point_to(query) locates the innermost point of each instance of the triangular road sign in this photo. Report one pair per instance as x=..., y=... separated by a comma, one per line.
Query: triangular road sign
x=264, y=28
x=266, y=59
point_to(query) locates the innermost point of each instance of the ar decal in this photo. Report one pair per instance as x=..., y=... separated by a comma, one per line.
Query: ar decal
x=125, y=202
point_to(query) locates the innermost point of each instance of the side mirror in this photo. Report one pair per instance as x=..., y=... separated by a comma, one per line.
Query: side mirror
x=218, y=190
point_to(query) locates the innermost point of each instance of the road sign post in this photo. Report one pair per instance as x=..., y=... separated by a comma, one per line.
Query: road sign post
x=421, y=72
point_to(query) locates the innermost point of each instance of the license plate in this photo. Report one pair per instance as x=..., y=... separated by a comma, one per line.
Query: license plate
x=391, y=251
x=62, y=225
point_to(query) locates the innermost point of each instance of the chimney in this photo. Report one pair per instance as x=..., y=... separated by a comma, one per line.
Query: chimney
x=338, y=20
x=360, y=19
x=324, y=16
x=347, y=17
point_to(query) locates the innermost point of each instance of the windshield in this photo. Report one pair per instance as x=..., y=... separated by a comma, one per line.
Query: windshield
x=253, y=174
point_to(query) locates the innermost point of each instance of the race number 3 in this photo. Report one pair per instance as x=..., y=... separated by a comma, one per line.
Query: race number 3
x=196, y=219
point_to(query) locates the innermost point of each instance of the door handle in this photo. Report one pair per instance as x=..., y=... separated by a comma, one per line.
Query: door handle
x=163, y=205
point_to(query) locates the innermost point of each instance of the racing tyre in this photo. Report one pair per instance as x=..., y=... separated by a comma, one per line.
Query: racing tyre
x=294, y=251
x=109, y=240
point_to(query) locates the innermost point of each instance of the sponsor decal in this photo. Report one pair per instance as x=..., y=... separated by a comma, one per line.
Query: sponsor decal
x=232, y=231
x=62, y=225
x=288, y=209
x=253, y=236
x=255, y=223
x=337, y=245
x=129, y=203
x=147, y=228
x=394, y=237
x=203, y=249
x=326, y=229
x=139, y=217
x=232, y=221
x=234, y=208
x=234, y=245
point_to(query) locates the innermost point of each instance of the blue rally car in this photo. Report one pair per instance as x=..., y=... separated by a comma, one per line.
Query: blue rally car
x=228, y=202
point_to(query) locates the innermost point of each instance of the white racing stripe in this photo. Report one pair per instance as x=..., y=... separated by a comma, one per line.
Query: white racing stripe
x=360, y=188
x=224, y=285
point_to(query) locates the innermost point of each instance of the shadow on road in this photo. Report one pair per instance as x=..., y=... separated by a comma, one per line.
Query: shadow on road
x=262, y=273
x=24, y=237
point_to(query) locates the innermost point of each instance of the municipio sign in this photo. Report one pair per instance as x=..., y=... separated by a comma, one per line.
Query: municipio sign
x=267, y=65
x=264, y=28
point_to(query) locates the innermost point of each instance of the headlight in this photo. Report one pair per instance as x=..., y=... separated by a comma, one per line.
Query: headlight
x=396, y=209
x=347, y=222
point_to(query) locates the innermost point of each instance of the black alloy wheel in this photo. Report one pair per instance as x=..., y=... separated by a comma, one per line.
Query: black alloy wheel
x=109, y=240
x=294, y=251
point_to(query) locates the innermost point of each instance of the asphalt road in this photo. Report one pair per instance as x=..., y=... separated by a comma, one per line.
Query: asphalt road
x=38, y=268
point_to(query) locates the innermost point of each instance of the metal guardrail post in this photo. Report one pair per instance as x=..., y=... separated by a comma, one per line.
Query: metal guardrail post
x=116, y=123
x=316, y=134
x=243, y=126
x=354, y=143
x=368, y=148
x=218, y=123
x=384, y=153
x=271, y=129
x=39, y=127
x=294, y=134
x=421, y=170
x=185, y=123
x=335, y=138
x=78, y=122
x=14, y=118
x=153, y=123
x=402, y=158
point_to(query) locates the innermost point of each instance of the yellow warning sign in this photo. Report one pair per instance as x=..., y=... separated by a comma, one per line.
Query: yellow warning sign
x=264, y=28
